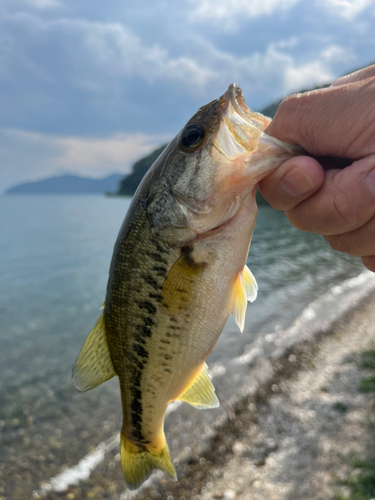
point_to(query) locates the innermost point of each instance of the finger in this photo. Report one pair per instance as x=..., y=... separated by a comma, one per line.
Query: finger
x=294, y=181
x=360, y=242
x=345, y=202
x=335, y=121
x=369, y=262
x=357, y=76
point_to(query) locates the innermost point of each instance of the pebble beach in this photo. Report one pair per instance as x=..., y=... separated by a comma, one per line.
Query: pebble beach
x=302, y=435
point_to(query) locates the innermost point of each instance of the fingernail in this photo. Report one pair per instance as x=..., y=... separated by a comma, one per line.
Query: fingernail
x=296, y=182
x=370, y=179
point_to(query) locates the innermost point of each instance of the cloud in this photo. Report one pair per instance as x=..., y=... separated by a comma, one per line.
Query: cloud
x=94, y=56
x=114, y=152
x=348, y=9
x=226, y=11
x=335, y=54
x=301, y=76
x=36, y=4
x=316, y=72
x=77, y=69
x=44, y=4
x=28, y=155
x=278, y=68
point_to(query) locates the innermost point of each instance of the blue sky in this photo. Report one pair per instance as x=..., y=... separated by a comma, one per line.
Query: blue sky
x=89, y=86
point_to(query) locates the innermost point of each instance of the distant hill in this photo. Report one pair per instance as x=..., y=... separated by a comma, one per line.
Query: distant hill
x=129, y=184
x=68, y=184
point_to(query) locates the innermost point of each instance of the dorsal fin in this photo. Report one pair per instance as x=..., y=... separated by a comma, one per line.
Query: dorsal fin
x=94, y=364
x=244, y=288
x=201, y=392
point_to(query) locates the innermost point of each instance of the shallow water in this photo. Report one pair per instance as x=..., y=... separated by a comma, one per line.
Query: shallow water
x=54, y=260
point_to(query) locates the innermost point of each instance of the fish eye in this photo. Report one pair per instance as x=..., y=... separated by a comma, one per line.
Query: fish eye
x=192, y=136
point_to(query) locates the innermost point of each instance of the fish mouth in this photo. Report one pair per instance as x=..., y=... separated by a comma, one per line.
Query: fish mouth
x=241, y=128
x=236, y=101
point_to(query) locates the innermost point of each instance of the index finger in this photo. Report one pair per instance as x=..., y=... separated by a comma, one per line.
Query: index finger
x=336, y=121
x=345, y=201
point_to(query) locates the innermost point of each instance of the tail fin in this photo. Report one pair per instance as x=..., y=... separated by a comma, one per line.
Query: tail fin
x=138, y=462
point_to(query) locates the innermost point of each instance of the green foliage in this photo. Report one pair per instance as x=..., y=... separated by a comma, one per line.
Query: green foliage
x=367, y=384
x=368, y=359
x=361, y=482
x=340, y=407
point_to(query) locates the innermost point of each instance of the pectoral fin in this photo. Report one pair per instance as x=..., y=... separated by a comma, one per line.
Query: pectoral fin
x=250, y=283
x=244, y=288
x=181, y=283
x=94, y=364
x=201, y=392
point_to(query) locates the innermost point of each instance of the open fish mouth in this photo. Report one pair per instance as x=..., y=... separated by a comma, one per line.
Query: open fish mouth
x=241, y=128
x=240, y=112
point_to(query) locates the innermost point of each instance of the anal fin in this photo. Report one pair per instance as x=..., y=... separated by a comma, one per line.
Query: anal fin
x=94, y=364
x=244, y=288
x=201, y=392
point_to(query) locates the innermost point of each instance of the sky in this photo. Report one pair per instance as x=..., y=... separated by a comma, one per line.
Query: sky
x=90, y=86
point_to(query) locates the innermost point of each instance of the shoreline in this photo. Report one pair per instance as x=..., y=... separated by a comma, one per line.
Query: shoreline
x=239, y=444
x=205, y=462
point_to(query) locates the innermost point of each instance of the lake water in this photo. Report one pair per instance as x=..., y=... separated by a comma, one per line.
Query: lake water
x=54, y=259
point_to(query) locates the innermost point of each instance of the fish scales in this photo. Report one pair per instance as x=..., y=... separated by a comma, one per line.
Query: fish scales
x=134, y=296
x=146, y=342
x=178, y=270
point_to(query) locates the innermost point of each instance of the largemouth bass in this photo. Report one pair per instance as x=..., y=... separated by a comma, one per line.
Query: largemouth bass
x=178, y=270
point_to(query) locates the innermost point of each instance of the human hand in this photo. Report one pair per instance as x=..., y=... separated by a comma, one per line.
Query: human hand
x=338, y=121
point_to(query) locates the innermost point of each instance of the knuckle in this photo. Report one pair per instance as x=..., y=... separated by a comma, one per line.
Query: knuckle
x=335, y=243
x=298, y=222
x=287, y=112
x=340, y=243
x=342, y=208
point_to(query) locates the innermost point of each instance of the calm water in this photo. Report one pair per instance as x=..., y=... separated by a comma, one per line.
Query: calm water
x=54, y=259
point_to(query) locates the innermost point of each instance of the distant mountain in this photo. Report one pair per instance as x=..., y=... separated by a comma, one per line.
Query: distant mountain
x=68, y=184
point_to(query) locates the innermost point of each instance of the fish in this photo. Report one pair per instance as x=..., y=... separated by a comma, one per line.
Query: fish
x=178, y=271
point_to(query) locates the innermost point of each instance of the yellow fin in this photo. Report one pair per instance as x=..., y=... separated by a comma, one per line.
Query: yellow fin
x=250, y=283
x=94, y=364
x=201, y=392
x=244, y=288
x=138, y=461
x=181, y=283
